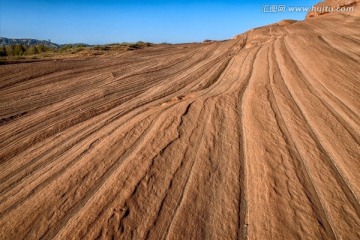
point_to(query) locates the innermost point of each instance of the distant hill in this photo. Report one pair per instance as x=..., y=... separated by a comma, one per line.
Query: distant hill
x=27, y=42
x=33, y=42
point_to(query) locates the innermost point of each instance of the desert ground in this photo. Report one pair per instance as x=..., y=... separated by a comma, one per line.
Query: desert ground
x=256, y=137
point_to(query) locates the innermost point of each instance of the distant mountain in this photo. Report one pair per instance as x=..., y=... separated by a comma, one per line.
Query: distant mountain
x=28, y=42
x=32, y=42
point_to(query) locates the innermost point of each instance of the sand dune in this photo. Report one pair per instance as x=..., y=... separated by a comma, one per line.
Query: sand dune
x=252, y=138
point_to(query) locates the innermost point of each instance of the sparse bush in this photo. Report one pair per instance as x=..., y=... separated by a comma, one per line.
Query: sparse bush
x=133, y=46
x=65, y=48
x=72, y=48
x=101, y=48
x=76, y=50
x=138, y=45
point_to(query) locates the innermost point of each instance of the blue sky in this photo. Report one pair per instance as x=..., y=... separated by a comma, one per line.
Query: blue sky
x=110, y=21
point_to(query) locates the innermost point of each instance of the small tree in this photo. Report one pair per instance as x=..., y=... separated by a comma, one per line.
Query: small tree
x=10, y=50
x=41, y=48
x=32, y=50
x=19, y=49
x=3, y=51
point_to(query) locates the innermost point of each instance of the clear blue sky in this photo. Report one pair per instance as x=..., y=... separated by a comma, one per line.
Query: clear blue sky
x=109, y=21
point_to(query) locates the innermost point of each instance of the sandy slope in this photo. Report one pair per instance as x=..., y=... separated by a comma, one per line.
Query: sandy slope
x=252, y=138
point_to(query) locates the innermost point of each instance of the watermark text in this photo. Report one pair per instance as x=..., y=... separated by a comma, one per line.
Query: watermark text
x=278, y=8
